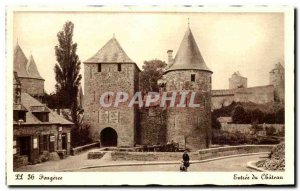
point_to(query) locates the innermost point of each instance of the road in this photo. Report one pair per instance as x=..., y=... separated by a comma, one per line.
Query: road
x=224, y=165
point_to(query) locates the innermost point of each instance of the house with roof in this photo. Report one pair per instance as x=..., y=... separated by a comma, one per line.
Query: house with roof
x=39, y=133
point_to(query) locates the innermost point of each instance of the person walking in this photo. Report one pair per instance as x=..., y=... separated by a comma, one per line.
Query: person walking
x=186, y=160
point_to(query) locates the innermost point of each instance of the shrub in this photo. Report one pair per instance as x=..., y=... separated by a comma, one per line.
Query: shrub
x=270, y=131
x=236, y=138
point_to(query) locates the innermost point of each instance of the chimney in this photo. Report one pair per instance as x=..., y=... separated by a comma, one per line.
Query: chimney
x=170, y=56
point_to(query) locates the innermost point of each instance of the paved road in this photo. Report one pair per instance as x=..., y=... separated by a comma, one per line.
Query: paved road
x=224, y=165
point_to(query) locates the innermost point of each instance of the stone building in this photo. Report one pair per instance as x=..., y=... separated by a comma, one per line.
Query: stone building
x=273, y=92
x=31, y=80
x=237, y=81
x=277, y=80
x=188, y=126
x=38, y=132
x=111, y=70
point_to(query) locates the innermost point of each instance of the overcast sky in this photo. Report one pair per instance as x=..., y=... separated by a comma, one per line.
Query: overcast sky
x=250, y=42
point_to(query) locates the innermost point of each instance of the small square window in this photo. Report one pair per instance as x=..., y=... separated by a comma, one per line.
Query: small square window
x=192, y=77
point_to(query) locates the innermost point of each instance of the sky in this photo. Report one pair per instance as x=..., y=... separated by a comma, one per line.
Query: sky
x=251, y=43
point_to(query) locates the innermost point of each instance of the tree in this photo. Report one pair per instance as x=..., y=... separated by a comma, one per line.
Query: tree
x=238, y=115
x=152, y=71
x=257, y=115
x=67, y=71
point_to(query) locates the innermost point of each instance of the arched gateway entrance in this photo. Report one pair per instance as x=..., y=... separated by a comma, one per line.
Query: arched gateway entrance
x=108, y=137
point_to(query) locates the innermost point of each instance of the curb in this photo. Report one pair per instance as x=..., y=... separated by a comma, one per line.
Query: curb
x=253, y=167
x=162, y=162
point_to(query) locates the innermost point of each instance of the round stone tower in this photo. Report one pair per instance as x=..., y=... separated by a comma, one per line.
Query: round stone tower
x=189, y=126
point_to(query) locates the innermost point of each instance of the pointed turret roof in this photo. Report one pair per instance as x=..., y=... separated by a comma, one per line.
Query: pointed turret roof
x=20, y=61
x=25, y=68
x=188, y=56
x=31, y=69
x=111, y=52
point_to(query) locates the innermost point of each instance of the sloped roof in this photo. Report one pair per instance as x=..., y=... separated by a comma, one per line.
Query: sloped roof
x=20, y=61
x=111, y=52
x=31, y=69
x=24, y=67
x=28, y=102
x=188, y=56
x=237, y=73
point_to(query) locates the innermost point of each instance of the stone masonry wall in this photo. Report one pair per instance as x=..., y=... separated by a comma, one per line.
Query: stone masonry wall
x=259, y=95
x=246, y=128
x=152, y=126
x=32, y=86
x=190, y=126
x=122, y=118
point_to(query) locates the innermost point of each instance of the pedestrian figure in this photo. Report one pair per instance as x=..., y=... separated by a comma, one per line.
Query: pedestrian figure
x=186, y=160
x=182, y=167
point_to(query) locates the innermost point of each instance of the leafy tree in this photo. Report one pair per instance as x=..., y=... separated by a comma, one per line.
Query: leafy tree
x=152, y=71
x=67, y=71
x=238, y=115
x=257, y=115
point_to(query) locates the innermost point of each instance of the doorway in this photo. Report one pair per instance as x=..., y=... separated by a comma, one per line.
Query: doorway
x=109, y=137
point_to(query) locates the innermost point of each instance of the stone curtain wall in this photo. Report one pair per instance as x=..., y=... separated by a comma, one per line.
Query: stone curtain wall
x=32, y=86
x=246, y=128
x=152, y=129
x=259, y=95
x=110, y=79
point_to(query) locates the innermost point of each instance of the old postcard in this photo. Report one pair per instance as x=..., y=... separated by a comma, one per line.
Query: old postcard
x=133, y=95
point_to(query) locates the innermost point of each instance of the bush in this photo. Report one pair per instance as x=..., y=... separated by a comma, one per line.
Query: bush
x=236, y=138
x=238, y=115
x=270, y=131
x=276, y=160
x=268, y=140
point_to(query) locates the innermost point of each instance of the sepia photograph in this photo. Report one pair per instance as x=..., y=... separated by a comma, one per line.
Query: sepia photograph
x=145, y=91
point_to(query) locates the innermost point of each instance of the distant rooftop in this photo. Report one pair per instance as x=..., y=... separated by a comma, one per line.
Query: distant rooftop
x=25, y=68
x=30, y=104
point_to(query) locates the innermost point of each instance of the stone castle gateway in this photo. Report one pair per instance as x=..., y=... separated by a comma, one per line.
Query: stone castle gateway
x=110, y=69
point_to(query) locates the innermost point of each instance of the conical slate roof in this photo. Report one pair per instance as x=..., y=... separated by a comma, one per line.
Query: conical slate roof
x=188, y=56
x=20, y=61
x=111, y=52
x=32, y=70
